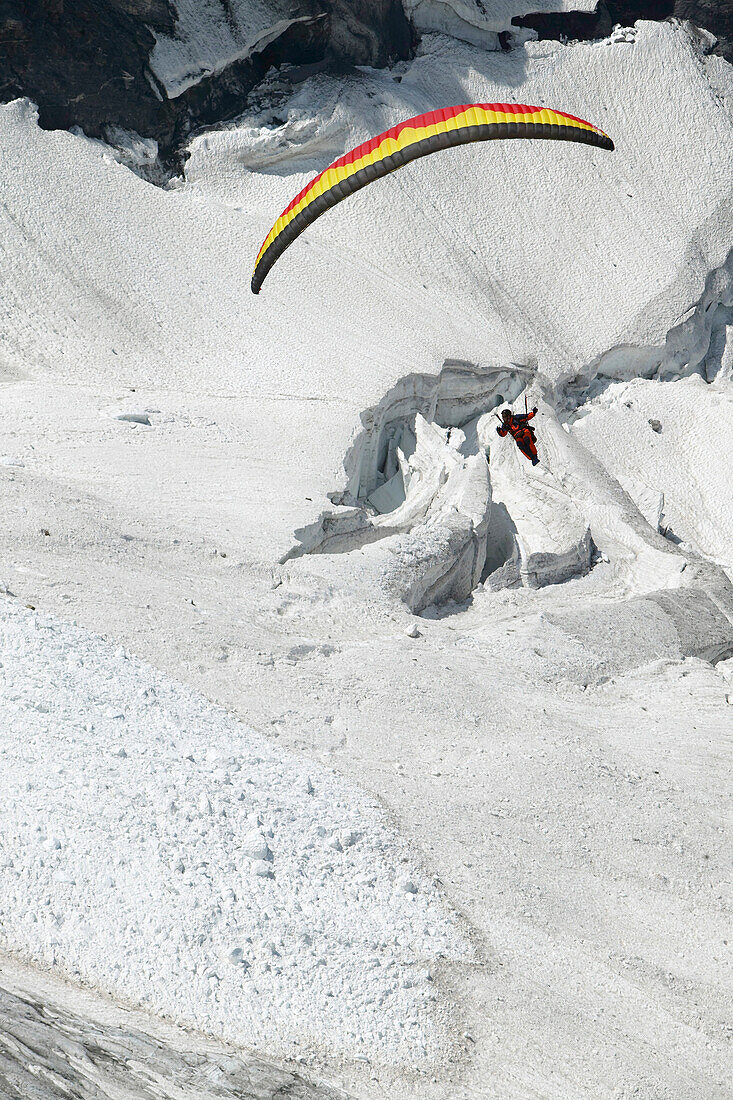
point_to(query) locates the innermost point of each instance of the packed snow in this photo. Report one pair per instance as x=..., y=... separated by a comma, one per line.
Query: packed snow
x=670, y=440
x=250, y=498
x=157, y=849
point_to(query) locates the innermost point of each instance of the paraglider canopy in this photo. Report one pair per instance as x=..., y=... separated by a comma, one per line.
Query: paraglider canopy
x=417, y=137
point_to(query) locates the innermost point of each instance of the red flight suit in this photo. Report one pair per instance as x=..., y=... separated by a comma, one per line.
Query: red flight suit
x=520, y=431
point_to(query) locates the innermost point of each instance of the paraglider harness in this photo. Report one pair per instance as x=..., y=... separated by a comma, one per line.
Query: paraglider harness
x=521, y=432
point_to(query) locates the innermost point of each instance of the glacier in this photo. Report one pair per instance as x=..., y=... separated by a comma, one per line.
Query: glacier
x=292, y=517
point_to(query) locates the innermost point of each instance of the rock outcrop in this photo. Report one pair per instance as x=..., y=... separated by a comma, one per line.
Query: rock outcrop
x=715, y=16
x=163, y=69
x=94, y=63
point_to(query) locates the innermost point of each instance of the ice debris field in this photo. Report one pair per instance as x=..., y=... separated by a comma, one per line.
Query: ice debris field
x=158, y=849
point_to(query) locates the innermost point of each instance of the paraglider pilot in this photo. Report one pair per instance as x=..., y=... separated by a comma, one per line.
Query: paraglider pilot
x=517, y=426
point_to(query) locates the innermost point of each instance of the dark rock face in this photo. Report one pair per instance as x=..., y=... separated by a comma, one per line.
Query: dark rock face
x=370, y=32
x=87, y=62
x=223, y=95
x=715, y=16
x=84, y=61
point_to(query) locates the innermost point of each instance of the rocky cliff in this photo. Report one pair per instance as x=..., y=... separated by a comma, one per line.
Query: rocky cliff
x=163, y=68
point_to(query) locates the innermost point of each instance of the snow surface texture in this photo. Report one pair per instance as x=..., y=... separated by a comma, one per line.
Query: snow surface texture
x=686, y=459
x=157, y=849
x=555, y=752
x=57, y=1040
x=96, y=292
x=211, y=35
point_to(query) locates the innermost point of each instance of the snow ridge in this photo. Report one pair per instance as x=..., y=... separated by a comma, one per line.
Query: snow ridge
x=701, y=344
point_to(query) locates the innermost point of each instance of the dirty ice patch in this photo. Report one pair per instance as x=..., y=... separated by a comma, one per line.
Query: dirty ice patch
x=158, y=849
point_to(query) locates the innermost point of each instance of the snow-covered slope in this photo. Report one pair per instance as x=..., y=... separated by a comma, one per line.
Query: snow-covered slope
x=515, y=242
x=161, y=851
x=671, y=439
x=210, y=36
x=170, y=443
x=516, y=237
